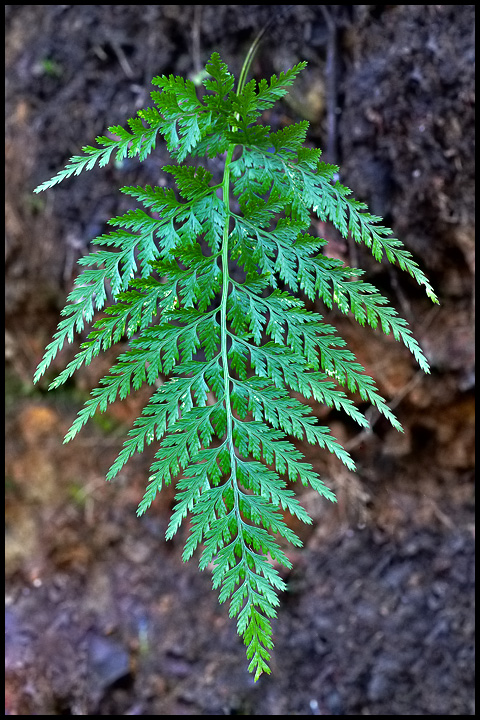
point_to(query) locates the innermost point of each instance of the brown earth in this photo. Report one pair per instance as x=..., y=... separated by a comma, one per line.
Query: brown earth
x=102, y=616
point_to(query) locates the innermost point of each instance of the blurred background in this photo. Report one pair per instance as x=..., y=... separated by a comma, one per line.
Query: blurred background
x=102, y=616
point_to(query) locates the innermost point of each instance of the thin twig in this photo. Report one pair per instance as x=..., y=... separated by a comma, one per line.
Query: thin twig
x=197, y=24
x=331, y=76
x=331, y=90
x=375, y=414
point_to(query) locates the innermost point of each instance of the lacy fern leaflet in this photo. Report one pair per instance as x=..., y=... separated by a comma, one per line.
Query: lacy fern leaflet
x=224, y=348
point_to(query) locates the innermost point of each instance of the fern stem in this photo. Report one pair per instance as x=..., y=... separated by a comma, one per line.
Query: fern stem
x=223, y=305
x=224, y=351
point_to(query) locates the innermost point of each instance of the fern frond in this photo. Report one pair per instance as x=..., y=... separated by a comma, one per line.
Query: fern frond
x=209, y=295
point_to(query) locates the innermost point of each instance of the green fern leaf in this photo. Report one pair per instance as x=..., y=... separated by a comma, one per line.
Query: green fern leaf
x=204, y=287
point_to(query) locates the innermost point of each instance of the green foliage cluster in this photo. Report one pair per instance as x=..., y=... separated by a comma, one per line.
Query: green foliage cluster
x=224, y=353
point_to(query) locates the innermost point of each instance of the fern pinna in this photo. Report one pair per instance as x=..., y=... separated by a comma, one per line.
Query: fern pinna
x=207, y=284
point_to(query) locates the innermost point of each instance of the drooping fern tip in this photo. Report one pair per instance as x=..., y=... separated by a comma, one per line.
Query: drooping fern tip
x=208, y=285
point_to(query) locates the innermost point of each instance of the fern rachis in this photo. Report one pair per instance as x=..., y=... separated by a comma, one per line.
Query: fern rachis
x=248, y=344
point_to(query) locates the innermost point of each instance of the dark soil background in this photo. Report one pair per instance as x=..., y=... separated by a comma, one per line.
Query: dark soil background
x=102, y=617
